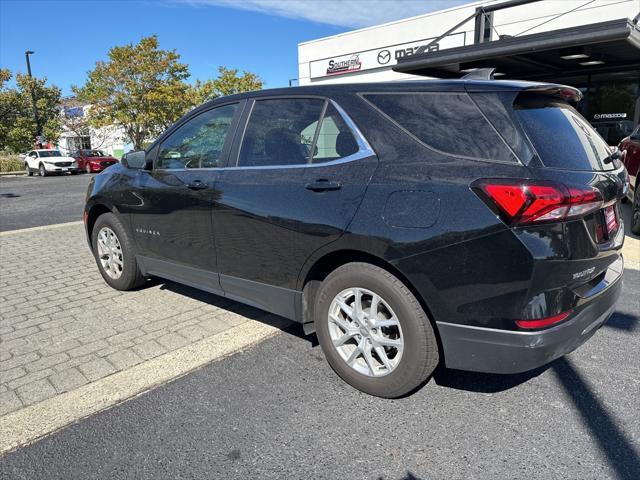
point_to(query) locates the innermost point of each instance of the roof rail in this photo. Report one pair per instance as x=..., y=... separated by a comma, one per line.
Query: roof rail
x=480, y=74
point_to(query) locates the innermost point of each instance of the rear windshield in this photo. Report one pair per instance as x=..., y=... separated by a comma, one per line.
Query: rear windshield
x=561, y=136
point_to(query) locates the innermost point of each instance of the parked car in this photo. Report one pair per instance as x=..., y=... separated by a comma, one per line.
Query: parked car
x=93, y=161
x=630, y=147
x=47, y=162
x=407, y=224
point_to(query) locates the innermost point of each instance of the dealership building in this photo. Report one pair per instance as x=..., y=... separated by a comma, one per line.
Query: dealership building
x=593, y=45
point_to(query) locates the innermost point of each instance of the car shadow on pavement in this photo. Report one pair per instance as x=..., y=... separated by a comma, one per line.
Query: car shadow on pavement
x=623, y=321
x=287, y=326
x=621, y=455
x=482, y=382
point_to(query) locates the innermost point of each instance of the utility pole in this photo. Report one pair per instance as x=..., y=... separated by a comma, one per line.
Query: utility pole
x=33, y=96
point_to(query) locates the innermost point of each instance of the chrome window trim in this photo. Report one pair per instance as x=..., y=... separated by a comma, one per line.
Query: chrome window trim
x=364, y=151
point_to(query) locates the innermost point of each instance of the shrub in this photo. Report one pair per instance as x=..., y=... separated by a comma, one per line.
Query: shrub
x=11, y=163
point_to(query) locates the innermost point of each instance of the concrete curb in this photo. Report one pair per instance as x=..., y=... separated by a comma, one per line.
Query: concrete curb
x=31, y=423
x=19, y=172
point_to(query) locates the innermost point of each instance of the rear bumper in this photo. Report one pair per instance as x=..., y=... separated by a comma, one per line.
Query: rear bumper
x=501, y=351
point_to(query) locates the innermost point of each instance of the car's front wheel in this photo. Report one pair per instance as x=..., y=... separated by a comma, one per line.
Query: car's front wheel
x=115, y=254
x=87, y=168
x=374, y=332
x=635, y=211
x=42, y=171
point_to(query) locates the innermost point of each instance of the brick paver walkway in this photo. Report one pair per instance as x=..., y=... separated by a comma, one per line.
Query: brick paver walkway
x=61, y=326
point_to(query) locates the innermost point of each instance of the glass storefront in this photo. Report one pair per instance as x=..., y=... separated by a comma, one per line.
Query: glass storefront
x=612, y=107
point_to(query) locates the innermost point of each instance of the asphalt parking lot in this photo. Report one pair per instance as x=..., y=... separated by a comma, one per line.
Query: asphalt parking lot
x=274, y=409
x=34, y=201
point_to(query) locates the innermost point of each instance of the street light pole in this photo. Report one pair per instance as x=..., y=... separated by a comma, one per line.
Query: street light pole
x=33, y=95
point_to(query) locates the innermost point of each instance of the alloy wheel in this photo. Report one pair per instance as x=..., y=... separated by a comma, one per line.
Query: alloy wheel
x=110, y=253
x=365, y=332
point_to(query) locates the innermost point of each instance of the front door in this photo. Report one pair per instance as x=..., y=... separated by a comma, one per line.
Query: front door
x=172, y=223
x=300, y=175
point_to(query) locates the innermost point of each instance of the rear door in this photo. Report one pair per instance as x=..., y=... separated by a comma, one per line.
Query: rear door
x=296, y=179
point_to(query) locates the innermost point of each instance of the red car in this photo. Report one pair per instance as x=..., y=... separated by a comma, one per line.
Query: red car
x=92, y=161
x=630, y=147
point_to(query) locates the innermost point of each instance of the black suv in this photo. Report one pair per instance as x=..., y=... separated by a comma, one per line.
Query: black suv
x=473, y=223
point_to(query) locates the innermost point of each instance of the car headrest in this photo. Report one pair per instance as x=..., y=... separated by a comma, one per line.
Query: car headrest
x=283, y=147
x=345, y=144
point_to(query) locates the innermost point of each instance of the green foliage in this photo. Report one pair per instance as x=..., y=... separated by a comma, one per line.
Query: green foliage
x=17, y=121
x=11, y=163
x=140, y=88
x=227, y=83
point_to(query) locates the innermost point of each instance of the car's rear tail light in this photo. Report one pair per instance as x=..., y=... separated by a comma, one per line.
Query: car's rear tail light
x=521, y=202
x=543, y=322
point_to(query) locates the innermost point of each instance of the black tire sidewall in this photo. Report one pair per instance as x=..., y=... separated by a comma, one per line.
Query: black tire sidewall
x=131, y=276
x=420, y=356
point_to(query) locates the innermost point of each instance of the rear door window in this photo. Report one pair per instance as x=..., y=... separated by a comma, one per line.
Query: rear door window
x=280, y=131
x=449, y=123
x=561, y=136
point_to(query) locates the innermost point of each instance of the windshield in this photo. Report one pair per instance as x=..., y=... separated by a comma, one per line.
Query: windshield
x=93, y=153
x=49, y=153
x=561, y=136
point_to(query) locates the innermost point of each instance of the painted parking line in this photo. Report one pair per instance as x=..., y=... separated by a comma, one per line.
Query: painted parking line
x=31, y=423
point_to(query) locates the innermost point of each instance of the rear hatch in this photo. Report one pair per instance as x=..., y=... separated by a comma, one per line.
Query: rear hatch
x=566, y=208
x=570, y=151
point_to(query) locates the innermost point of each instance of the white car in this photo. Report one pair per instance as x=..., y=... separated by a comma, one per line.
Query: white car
x=46, y=162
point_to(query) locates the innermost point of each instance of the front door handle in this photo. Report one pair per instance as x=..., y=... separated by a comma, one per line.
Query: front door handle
x=323, y=185
x=196, y=185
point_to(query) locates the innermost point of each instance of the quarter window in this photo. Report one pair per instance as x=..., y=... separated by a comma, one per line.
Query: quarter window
x=199, y=142
x=447, y=122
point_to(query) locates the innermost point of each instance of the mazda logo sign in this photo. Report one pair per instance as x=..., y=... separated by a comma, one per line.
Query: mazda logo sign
x=384, y=56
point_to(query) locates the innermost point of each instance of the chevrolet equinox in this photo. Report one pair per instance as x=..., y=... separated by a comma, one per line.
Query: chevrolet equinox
x=473, y=223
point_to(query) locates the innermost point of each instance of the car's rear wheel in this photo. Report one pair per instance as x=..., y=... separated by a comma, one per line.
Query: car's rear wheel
x=374, y=332
x=42, y=171
x=115, y=254
x=635, y=211
x=28, y=170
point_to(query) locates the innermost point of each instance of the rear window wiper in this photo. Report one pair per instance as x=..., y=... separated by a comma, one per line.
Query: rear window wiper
x=617, y=155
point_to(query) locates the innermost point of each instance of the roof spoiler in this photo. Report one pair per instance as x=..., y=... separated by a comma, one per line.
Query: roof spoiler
x=570, y=94
x=480, y=74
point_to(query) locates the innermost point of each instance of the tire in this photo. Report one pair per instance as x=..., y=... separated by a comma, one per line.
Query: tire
x=420, y=355
x=42, y=171
x=635, y=211
x=87, y=168
x=129, y=273
x=28, y=170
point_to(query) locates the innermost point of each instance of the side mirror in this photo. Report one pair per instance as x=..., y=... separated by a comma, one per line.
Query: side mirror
x=135, y=160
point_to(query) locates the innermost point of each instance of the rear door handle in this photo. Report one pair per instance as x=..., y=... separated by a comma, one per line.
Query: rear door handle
x=322, y=185
x=196, y=185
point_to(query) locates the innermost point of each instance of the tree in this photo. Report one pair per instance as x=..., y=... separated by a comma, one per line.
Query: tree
x=227, y=83
x=17, y=121
x=140, y=88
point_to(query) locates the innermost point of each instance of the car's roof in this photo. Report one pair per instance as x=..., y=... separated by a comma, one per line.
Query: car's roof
x=419, y=84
